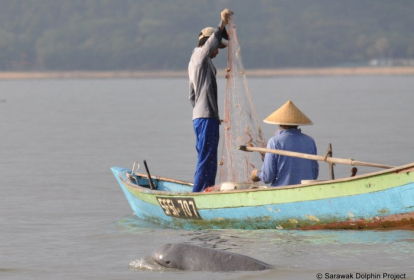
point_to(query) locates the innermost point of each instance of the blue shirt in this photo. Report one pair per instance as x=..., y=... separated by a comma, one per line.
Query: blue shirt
x=280, y=170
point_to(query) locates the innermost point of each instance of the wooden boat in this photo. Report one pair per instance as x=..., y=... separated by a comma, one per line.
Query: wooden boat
x=378, y=200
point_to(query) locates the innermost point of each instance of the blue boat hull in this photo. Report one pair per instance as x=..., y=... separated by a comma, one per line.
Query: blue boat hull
x=354, y=203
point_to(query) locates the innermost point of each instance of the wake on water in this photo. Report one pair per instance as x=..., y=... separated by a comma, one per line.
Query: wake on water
x=147, y=264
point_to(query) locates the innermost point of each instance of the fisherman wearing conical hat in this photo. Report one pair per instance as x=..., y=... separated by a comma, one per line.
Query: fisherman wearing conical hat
x=280, y=170
x=203, y=98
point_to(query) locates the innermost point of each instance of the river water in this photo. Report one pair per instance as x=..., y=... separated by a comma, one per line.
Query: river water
x=63, y=215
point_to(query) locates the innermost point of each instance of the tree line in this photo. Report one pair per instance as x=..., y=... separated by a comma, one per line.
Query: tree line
x=47, y=35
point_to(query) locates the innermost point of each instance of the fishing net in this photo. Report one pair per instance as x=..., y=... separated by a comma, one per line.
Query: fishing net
x=241, y=126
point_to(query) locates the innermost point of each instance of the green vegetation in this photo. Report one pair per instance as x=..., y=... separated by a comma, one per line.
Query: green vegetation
x=157, y=34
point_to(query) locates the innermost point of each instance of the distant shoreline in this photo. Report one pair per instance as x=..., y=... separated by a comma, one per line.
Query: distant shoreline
x=335, y=71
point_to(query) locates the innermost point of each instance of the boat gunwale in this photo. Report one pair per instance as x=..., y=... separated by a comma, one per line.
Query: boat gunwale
x=398, y=169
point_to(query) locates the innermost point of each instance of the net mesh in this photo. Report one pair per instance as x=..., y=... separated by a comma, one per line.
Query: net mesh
x=241, y=126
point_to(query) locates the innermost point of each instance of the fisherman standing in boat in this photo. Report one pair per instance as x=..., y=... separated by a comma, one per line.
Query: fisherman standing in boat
x=203, y=98
x=280, y=170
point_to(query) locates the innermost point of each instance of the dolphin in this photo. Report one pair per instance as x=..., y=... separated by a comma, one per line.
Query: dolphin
x=190, y=257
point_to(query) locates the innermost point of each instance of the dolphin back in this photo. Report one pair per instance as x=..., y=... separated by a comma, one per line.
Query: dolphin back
x=190, y=257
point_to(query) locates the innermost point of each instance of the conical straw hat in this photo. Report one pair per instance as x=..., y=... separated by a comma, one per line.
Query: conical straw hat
x=288, y=114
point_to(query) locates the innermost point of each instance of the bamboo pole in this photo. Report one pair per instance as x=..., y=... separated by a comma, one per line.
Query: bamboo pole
x=314, y=157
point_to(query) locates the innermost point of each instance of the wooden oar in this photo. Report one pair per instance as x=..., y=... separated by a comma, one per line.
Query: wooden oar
x=314, y=157
x=331, y=169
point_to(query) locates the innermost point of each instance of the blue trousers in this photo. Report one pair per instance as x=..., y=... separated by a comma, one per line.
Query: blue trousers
x=207, y=140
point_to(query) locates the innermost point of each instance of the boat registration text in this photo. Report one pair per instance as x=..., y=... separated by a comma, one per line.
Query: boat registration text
x=179, y=207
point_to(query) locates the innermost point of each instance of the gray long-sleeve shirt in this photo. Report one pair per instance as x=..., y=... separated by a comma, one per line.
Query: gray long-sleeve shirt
x=202, y=75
